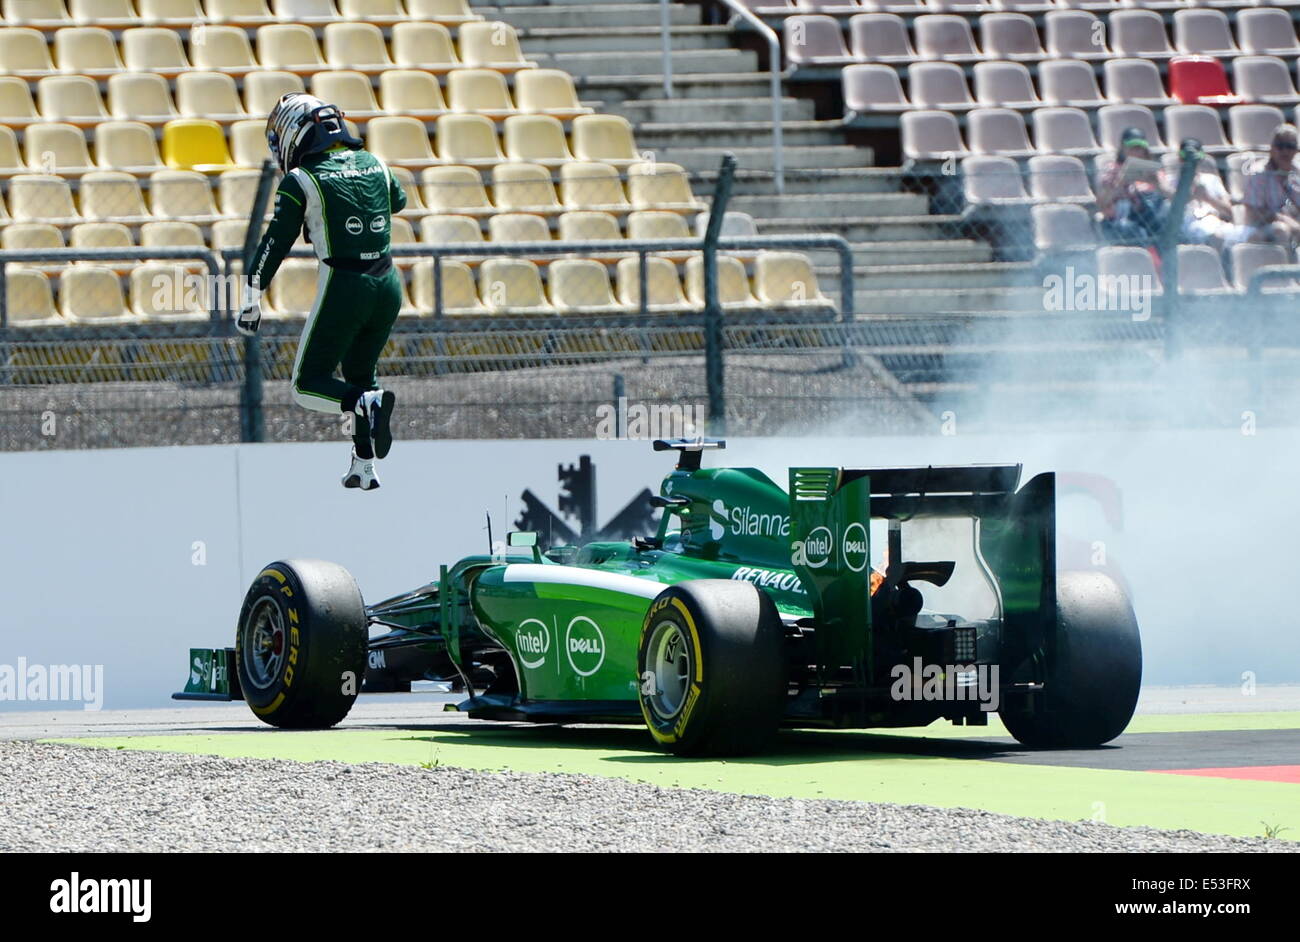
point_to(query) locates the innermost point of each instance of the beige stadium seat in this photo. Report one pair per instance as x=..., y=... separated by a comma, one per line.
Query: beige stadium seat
x=581, y=286
x=1113, y=119
x=1126, y=262
x=44, y=12
x=110, y=14
x=450, y=230
x=89, y=293
x=1139, y=33
x=512, y=285
x=1059, y=178
x=1009, y=36
x=441, y=11
x=1069, y=82
x=523, y=187
x=1198, y=121
x=1263, y=79
x=733, y=284
x=293, y=291
x=1004, y=85
x=786, y=279
x=663, y=287
x=1064, y=131
x=178, y=12
x=153, y=49
x=358, y=46
x=1075, y=34
x=28, y=299
x=236, y=190
x=165, y=291
x=263, y=89
x=1200, y=271
x=208, y=95
x=998, y=131
x=734, y=224
x=872, y=88
x=195, y=144
x=1135, y=81
x=589, y=226
x=880, y=37
x=140, y=97
x=411, y=92
x=468, y=139
x=518, y=227
x=53, y=147
x=300, y=11
x=424, y=46
x=31, y=235
x=479, y=91
x=604, y=137
x=24, y=50
x=1252, y=126
x=170, y=232
x=70, y=98
x=993, y=181
x=1267, y=32
x=1203, y=33
x=11, y=160
x=385, y=12
x=112, y=195
x=1249, y=257
x=457, y=190
x=16, y=103
x=931, y=135
x=38, y=197
x=349, y=90
x=492, y=45
x=814, y=40
x=406, y=180
x=401, y=232
x=592, y=186
x=400, y=140
x=181, y=194
x=100, y=235
x=248, y=143
x=289, y=46
x=660, y=185
x=85, y=49
x=1062, y=227
x=547, y=91
x=459, y=295
x=945, y=36
x=245, y=12
x=536, y=138
x=657, y=224
x=222, y=48
x=228, y=234
x=939, y=85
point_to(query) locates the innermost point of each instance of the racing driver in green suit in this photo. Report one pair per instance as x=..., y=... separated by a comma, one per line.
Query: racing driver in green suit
x=342, y=198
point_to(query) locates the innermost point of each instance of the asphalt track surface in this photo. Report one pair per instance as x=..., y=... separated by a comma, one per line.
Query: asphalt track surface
x=1234, y=759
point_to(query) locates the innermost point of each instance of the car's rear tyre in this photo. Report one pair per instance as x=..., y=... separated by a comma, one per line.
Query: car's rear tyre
x=711, y=664
x=300, y=647
x=1091, y=679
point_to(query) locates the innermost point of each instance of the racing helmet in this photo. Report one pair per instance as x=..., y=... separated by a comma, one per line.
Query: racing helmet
x=302, y=124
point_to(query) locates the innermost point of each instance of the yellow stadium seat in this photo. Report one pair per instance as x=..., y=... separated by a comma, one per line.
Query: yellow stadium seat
x=457, y=190
x=221, y=47
x=537, y=138
x=208, y=95
x=293, y=292
x=54, y=147
x=302, y=11
x=518, y=227
x=248, y=143
x=348, y=90
x=733, y=284
x=786, y=279
x=441, y=11
x=512, y=285
x=663, y=287
x=30, y=235
x=400, y=141
x=153, y=49
x=167, y=291
x=69, y=98
x=28, y=299
x=458, y=293
x=581, y=286
x=588, y=226
x=263, y=89
x=604, y=137
x=181, y=194
x=288, y=46
x=140, y=96
x=195, y=144
x=24, y=50
x=246, y=12
x=524, y=187
x=656, y=224
x=45, y=12
x=180, y=12
x=110, y=14
x=547, y=91
x=170, y=232
x=469, y=139
x=411, y=92
x=356, y=46
x=112, y=195
x=89, y=293
x=660, y=185
x=450, y=230
x=492, y=45
x=424, y=46
x=479, y=91
x=593, y=186
x=16, y=104
x=39, y=197
x=126, y=145
x=10, y=159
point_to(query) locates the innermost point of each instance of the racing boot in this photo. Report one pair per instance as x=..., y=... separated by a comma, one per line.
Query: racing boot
x=374, y=411
x=362, y=473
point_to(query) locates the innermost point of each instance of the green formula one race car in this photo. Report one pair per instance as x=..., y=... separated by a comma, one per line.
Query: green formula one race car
x=860, y=597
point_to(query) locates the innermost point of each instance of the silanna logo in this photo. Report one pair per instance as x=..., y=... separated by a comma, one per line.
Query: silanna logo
x=743, y=520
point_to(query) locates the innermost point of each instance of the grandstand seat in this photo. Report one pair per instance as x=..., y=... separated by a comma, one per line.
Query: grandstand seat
x=1127, y=262
x=945, y=36
x=1250, y=257
x=604, y=137
x=442, y=11
x=23, y=50
x=456, y=190
x=523, y=187
x=55, y=147
x=1237, y=167
x=1139, y=33
x=166, y=291
x=592, y=186
x=30, y=235
x=450, y=230
x=179, y=12
x=16, y=103
x=1059, y=178
x=734, y=224
x=491, y=44
x=411, y=92
x=1202, y=32
x=654, y=224
x=244, y=12
x=469, y=139
x=153, y=49
x=112, y=195
x=236, y=190
x=1200, y=271
x=303, y=11
x=931, y=135
x=581, y=286
x=1075, y=34
x=99, y=235
x=871, y=88
x=1113, y=119
x=536, y=138
x=998, y=131
x=195, y=144
x=1061, y=228
x=406, y=180
x=660, y=185
x=663, y=287
x=89, y=50
x=880, y=37
x=347, y=89
x=1263, y=79
x=89, y=293
x=939, y=86
x=384, y=12
x=110, y=14
x=29, y=300
x=70, y=98
x=1198, y=121
x=222, y=48
x=1023, y=6
x=459, y=295
x=11, y=160
x=293, y=291
x=44, y=12
x=248, y=142
x=1009, y=36
x=262, y=89
x=786, y=279
x=547, y=91
x=1251, y=126
x=356, y=46
x=181, y=194
x=229, y=234
x=40, y=197
x=814, y=40
x=518, y=227
x=993, y=181
x=400, y=141
x=171, y=232
x=1069, y=82
x=582, y=225
x=423, y=46
x=288, y=46
x=479, y=91
x=1199, y=79
x=1267, y=32
x=512, y=285
x=140, y=97
x=733, y=285
x=1004, y=85
x=208, y=95
x=1135, y=81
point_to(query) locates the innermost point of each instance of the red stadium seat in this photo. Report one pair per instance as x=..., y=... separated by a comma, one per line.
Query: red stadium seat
x=1199, y=80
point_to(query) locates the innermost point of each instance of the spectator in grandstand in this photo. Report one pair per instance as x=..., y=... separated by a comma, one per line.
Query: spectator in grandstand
x=343, y=198
x=1271, y=193
x=1207, y=219
x=1133, y=195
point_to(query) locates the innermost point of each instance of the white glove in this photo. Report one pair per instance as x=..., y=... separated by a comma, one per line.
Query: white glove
x=250, y=312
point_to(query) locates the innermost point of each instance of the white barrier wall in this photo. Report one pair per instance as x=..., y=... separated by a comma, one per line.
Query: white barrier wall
x=125, y=558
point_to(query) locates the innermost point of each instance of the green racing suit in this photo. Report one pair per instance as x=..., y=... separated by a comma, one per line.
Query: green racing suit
x=343, y=201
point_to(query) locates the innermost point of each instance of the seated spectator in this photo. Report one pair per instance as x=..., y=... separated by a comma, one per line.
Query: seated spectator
x=1207, y=219
x=1271, y=193
x=1133, y=195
